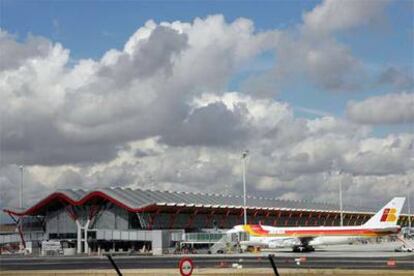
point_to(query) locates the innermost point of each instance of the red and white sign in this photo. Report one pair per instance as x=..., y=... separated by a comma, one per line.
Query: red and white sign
x=186, y=266
x=391, y=262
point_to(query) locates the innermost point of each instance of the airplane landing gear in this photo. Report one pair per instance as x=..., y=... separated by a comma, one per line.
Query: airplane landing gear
x=303, y=248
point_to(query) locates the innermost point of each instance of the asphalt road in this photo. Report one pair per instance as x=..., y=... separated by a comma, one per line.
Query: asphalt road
x=205, y=261
x=371, y=256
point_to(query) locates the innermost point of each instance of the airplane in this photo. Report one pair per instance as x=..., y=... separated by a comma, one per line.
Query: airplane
x=303, y=239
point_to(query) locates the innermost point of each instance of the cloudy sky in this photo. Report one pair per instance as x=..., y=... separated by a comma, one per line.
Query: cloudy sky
x=167, y=95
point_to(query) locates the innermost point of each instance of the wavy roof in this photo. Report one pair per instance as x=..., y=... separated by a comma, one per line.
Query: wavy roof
x=136, y=200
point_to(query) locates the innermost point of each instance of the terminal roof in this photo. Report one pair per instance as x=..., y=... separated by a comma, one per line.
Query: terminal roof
x=138, y=199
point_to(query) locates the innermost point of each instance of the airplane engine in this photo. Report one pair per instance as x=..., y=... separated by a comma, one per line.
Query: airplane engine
x=274, y=245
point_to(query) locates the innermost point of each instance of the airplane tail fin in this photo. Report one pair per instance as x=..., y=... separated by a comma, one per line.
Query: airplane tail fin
x=388, y=215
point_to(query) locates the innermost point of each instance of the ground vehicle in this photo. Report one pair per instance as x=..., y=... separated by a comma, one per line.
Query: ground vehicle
x=404, y=248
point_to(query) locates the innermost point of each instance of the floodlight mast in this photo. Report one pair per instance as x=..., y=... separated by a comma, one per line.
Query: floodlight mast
x=21, y=167
x=339, y=172
x=340, y=199
x=244, y=156
x=409, y=204
x=408, y=185
x=409, y=192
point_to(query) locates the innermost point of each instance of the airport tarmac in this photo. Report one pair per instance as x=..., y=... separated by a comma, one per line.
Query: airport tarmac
x=363, y=257
x=385, y=249
x=213, y=271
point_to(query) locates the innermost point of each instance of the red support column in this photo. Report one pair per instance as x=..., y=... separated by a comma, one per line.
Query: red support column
x=350, y=220
x=93, y=211
x=315, y=223
x=71, y=212
x=241, y=215
x=335, y=217
x=227, y=216
x=255, y=215
x=152, y=217
x=275, y=218
x=223, y=219
x=308, y=218
x=326, y=219
x=209, y=218
x=191, y=219
x=266, y=216
x=173, y=218
x=287, y=219
x=278, y=218
x=299, y=217
x=19, y=228
x=356, y=220
x=150, y=221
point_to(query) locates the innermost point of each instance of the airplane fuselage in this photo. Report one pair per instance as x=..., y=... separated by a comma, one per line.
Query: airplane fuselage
x=274, y=237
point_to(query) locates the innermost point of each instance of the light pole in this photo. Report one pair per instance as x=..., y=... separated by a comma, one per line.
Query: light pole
x=334, y=168
x=409, y=205
x=244, y=156
x=409, y=193
x=21, y=186
x=340, y=200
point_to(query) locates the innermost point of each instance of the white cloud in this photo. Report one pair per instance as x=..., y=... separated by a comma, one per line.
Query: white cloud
x=312, y=51
x=61, y=114
x=385, y=156
x=332, y=15
x=386, y=109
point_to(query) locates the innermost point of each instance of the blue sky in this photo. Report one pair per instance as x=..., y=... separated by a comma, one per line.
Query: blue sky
x=90, y=28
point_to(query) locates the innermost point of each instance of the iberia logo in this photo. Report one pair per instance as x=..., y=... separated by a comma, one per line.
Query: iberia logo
x=389, y=215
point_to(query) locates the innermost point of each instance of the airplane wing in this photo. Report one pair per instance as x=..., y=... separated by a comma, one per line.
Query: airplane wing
x=278, y=242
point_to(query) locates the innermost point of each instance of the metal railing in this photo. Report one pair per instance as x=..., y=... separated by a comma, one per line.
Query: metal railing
x=203, y=237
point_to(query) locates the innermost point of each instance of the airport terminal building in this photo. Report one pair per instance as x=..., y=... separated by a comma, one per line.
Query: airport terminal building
x=122, y=218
